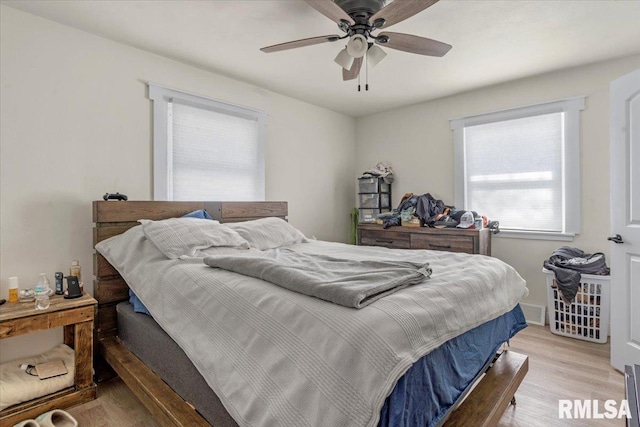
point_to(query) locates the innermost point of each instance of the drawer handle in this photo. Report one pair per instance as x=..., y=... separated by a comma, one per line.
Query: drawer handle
x=384, y=241
x=440, y=246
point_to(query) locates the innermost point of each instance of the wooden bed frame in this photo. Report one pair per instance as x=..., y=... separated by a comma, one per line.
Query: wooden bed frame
x=482, y=407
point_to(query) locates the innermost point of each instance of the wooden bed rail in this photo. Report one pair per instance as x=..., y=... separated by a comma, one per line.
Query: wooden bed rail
x=164, y=404
x=493, y=394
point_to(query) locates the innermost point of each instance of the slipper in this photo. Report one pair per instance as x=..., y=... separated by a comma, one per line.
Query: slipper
x=27, y=423
x=56, y=418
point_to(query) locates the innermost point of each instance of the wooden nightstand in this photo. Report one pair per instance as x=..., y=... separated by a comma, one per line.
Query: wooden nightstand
x=76, y=316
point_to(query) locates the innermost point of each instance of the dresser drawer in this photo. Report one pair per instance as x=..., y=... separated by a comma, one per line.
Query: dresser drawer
x=389, y=239
x=450, y=243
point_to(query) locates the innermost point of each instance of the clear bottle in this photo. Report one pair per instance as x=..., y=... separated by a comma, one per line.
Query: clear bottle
x=75, y=270
x=42, y=291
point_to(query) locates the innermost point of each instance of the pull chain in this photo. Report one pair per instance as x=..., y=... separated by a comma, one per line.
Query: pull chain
x=366, y=70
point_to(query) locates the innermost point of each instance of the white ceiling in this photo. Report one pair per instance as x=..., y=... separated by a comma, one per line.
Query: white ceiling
x=493, y=42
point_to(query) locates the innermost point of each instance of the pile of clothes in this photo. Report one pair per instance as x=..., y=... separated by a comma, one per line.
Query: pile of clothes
x=431, y=212
x=382, y=170
x=569, y=264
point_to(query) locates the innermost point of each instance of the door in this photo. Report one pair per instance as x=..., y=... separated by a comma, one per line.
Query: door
x=625, y=220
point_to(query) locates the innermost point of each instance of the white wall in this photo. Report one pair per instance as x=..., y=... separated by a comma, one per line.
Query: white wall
x=418, y=141
x=76, y=123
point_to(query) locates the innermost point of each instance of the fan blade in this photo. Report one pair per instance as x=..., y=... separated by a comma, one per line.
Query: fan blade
x=331, y=10
x=354, y=71
x=399, y=10
x=415, y=44
x=300, y=43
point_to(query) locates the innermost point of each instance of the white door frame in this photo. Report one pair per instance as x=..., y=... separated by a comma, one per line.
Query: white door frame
x=625, y=220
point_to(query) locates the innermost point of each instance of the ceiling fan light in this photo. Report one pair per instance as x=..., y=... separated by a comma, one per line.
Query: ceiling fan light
x=375, y=55
x=357, y=46
x=344, y=59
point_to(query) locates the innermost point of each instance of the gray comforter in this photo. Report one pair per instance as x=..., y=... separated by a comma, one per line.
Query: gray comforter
x=281, y=358
x=348, y=282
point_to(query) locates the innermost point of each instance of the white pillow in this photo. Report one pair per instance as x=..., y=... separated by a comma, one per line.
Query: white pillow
x=268, y=233
x=184, y=237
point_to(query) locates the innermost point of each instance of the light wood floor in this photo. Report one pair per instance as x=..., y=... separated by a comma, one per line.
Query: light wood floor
x=559, y=368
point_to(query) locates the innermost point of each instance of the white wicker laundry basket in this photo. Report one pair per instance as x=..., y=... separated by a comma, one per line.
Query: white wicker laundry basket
x=587, y=317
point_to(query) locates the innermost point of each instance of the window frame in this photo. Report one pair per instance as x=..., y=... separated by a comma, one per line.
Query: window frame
x=571, y=185
x=162, y=149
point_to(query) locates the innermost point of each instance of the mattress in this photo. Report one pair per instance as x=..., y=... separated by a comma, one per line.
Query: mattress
x=423, y=396
x=142, y=336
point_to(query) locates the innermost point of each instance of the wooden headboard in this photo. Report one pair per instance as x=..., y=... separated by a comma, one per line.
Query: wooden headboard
x=115, y=217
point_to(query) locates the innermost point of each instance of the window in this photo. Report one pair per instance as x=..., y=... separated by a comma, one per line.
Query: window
x=205, y=149
x=521, y=167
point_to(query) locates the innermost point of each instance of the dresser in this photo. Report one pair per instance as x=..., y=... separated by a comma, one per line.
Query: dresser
x=439, y=239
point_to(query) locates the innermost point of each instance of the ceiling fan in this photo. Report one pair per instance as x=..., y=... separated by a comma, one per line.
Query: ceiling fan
x=359, y=19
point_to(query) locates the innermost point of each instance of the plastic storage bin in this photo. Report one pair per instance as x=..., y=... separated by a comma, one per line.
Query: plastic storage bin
x=373, y=185
x=374, y=201
x=587, y=317
x=369, y=216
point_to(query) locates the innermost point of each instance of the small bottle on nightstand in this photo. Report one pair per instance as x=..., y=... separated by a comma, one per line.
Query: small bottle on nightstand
x=59, y=288
x=13, y=289
x=42, y=291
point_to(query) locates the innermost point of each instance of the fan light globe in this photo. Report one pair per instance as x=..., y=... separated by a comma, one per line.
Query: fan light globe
x=344, y=59
x=357, y=46
x=375, y=55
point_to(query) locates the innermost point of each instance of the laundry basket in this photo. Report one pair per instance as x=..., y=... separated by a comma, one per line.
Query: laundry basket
x=587, y=317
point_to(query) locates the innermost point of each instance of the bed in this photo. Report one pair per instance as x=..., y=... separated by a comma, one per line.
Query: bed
x=486, y=402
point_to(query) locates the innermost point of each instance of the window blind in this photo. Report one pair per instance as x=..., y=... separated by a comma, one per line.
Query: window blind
x=514, y=172
x=214, y=155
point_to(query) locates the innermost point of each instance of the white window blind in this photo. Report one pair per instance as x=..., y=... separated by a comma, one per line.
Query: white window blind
x=215, y=155
x=514, y=172
x=522, y=168
x=206, y=149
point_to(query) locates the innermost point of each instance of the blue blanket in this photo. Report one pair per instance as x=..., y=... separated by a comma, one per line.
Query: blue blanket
x=434, y=383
